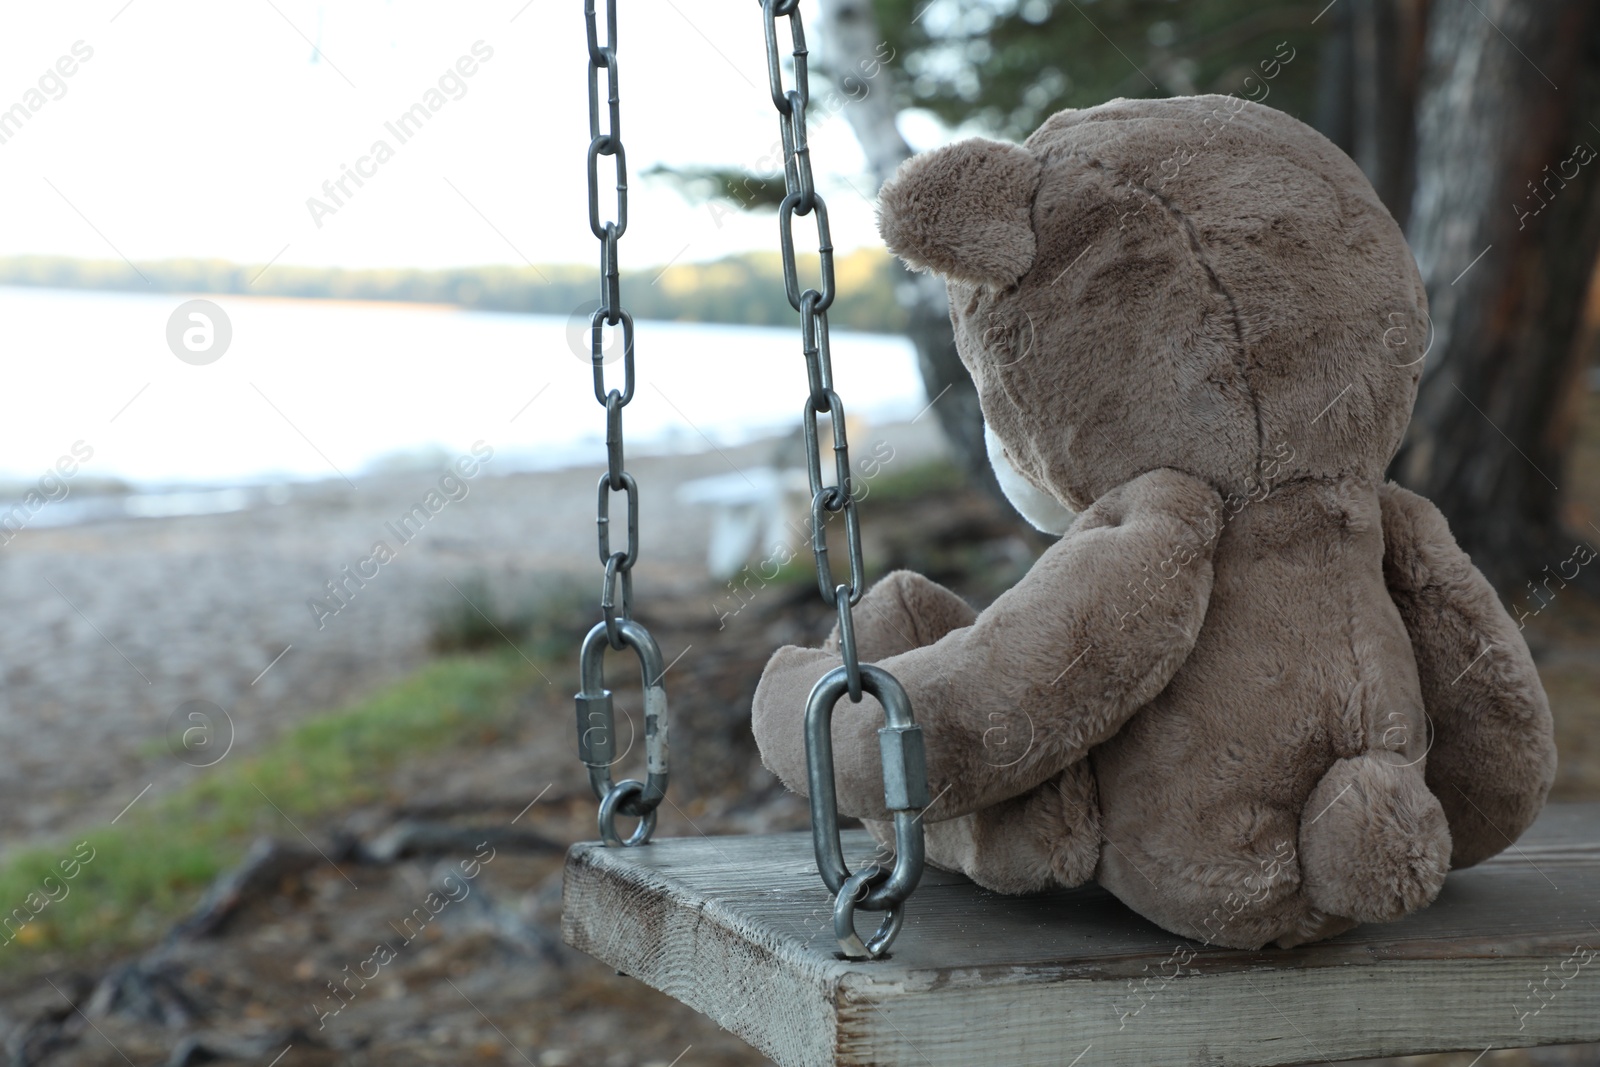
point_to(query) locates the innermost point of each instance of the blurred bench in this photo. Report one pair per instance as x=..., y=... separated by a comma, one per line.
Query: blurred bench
x=754, y=512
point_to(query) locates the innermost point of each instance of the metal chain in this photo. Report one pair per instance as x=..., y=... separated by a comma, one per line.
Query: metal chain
x=596, y=743
x=905, y=776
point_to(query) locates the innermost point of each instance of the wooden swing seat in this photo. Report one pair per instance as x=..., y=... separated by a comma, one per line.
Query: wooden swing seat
x=740, y=929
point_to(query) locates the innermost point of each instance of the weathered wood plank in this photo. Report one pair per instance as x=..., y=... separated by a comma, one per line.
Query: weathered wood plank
x=739, y=928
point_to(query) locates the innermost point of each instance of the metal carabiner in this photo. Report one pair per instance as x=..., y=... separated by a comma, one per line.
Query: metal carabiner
x=905, y=792
x=597, y=734
x=844, y=916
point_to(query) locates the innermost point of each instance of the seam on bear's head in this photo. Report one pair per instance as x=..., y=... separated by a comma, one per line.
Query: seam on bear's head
x=1242, y=356
x=1197, y=249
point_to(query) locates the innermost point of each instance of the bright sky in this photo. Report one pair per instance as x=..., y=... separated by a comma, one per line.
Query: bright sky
x=201, y=129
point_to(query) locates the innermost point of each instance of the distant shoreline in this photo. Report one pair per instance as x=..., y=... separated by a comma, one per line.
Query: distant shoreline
x=746, y=289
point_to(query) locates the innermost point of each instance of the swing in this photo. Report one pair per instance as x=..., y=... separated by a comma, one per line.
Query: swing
x=736, y=928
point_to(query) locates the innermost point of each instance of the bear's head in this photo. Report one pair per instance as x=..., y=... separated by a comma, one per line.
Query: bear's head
x=1202, y=283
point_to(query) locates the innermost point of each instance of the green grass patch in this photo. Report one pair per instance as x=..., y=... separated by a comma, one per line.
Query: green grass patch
x=915, y=483
x=153, y=864
x=537, y=616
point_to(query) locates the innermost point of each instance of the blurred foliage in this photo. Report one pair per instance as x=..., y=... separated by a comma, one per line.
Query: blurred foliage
x=537, y=621
x=148, y=870
x=917, y=483
x=1010, y=64
x=745, y=288
x=743, y=189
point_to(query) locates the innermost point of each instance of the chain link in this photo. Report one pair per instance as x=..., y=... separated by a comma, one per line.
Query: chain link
x=905, y=779
x=597, y=347
x=596, y=743
x=802, y=199
x=608, y=142
x=793, y=205
x=814, y=344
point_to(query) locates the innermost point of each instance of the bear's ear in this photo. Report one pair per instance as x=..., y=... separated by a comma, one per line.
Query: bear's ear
x=964, y=210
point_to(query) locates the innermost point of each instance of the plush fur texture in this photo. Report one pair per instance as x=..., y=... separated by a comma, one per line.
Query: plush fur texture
x=965, y=211
x=1257, y=693
x=1044, y=511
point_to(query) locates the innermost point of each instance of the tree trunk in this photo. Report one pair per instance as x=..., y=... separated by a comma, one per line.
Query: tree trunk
x=850, y=33
x=1505, y=225
x=1367, y=91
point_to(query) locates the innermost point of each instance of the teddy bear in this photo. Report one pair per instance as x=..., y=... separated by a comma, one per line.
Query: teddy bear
x=1254, y=690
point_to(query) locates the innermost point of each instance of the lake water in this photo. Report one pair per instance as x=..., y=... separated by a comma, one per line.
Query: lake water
x=312, y=389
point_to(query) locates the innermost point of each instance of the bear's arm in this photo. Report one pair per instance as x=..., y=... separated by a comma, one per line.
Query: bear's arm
x=1493, y=757
x=1050, y=669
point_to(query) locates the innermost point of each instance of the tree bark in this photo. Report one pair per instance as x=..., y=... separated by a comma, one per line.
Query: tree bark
x=1367, y=91
x=1505, y=225
x=849, y=31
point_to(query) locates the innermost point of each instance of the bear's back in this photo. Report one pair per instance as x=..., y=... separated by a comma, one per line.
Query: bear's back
x=1302, y=660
